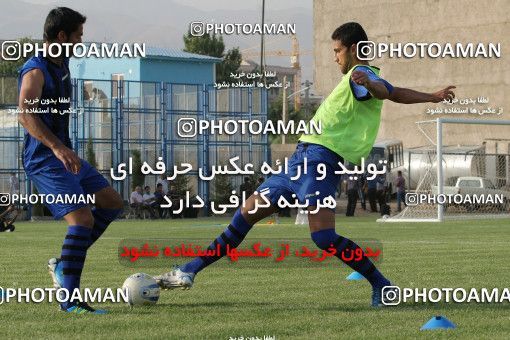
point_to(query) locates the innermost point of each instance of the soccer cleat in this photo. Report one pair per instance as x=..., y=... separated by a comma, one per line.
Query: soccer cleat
x=175, y=279
x=83, y=308
x=388, y=295
x=55, y=269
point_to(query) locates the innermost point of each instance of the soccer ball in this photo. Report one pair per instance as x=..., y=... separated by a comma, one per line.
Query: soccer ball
x=141, y=289
x=385, y=217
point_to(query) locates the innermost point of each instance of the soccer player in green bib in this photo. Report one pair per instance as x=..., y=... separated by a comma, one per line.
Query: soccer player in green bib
x=350, y=118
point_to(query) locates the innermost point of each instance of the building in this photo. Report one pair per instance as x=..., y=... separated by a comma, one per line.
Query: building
x=395, y=21
x=159, y=65
x=280, y=72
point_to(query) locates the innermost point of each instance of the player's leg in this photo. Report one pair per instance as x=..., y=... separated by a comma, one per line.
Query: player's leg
x=233, y=235
x=66, y=271
x=8, y=217
x=74, y=250
x=72, y=258
x=372, y=193
x=350, y=201
x=322, y=223
x=108, y=206
x=108, y=203
x=322, y=228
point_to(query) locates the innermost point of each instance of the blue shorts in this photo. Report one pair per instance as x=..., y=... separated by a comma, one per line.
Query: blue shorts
x=53, y=178
x=306, y=186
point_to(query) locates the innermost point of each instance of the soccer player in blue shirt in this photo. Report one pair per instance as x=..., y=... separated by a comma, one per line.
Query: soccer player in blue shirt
x=50, y=162
x=350, y=118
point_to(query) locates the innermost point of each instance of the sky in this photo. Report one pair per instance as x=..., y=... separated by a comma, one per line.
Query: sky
x=163, y=22
x=208, y=5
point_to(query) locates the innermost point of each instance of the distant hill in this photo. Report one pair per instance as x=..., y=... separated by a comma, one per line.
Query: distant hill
x=158, y=23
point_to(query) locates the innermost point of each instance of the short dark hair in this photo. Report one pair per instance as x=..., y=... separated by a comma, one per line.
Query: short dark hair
x=147, y=187
x=350, y=33
x=399, y=172
x=159, y=185
x=62, y=19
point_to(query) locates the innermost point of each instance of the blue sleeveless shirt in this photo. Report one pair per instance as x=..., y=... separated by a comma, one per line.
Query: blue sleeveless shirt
x=57, y=85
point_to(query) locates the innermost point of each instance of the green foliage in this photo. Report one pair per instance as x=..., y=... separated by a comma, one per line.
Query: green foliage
x=90, y=154
x=8, y=77
x=275, y=114
x=137, y=178
x=206, y=45
x=214, y=46
x=8, y=91
x=222, y=189
x=9, y=68
x=181, y=186
x=38, y=207
x=231, y=62
x=254, y=179
x=275, y=110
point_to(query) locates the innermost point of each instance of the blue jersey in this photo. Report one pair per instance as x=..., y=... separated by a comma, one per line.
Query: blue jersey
x=305, y=187
x=57, y=84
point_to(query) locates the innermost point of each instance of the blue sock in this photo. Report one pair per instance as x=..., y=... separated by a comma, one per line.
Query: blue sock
x=73, y=255
x=233, y=236
x=324, y=239
x=102, y=219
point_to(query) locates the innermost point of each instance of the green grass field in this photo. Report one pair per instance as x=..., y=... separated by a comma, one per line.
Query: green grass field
x=286, y=300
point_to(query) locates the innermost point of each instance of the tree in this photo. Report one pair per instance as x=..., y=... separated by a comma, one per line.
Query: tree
x=181, y=186
x=275, y=110
x=275, y=114
x=230, y=64
x=38, y=207
x=9, y=68
x=206, y=44
x=137, y=178
x=222, y=189
x=90, y=154
x=8, y=76
x=214, y=46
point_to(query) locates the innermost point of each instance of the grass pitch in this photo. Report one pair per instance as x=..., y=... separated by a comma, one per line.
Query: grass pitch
x=257, y=299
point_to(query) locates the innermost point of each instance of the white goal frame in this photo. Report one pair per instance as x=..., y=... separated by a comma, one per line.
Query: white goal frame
x=439, y=164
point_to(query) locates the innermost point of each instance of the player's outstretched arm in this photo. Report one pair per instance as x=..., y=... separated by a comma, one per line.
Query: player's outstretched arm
x=30, y=92
x=407, y=96
x=376, y=87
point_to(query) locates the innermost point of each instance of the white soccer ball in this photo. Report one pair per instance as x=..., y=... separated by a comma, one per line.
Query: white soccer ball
x=141, y=289
x=386, y=216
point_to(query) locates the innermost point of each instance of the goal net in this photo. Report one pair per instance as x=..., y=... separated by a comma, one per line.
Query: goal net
x=470, y=181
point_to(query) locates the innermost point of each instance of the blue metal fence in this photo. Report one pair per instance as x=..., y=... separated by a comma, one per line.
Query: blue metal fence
x=122, y=116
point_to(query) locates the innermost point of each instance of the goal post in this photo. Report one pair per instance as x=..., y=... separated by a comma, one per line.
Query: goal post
x=474, y=179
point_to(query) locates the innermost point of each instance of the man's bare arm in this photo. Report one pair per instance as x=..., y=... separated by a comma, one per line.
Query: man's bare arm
x=408, y=96
x=399, y=94
x=31, y=89
x=376, y=88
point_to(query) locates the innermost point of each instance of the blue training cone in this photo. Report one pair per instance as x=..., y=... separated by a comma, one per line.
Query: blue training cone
x=438, y=322
x=355, y=276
